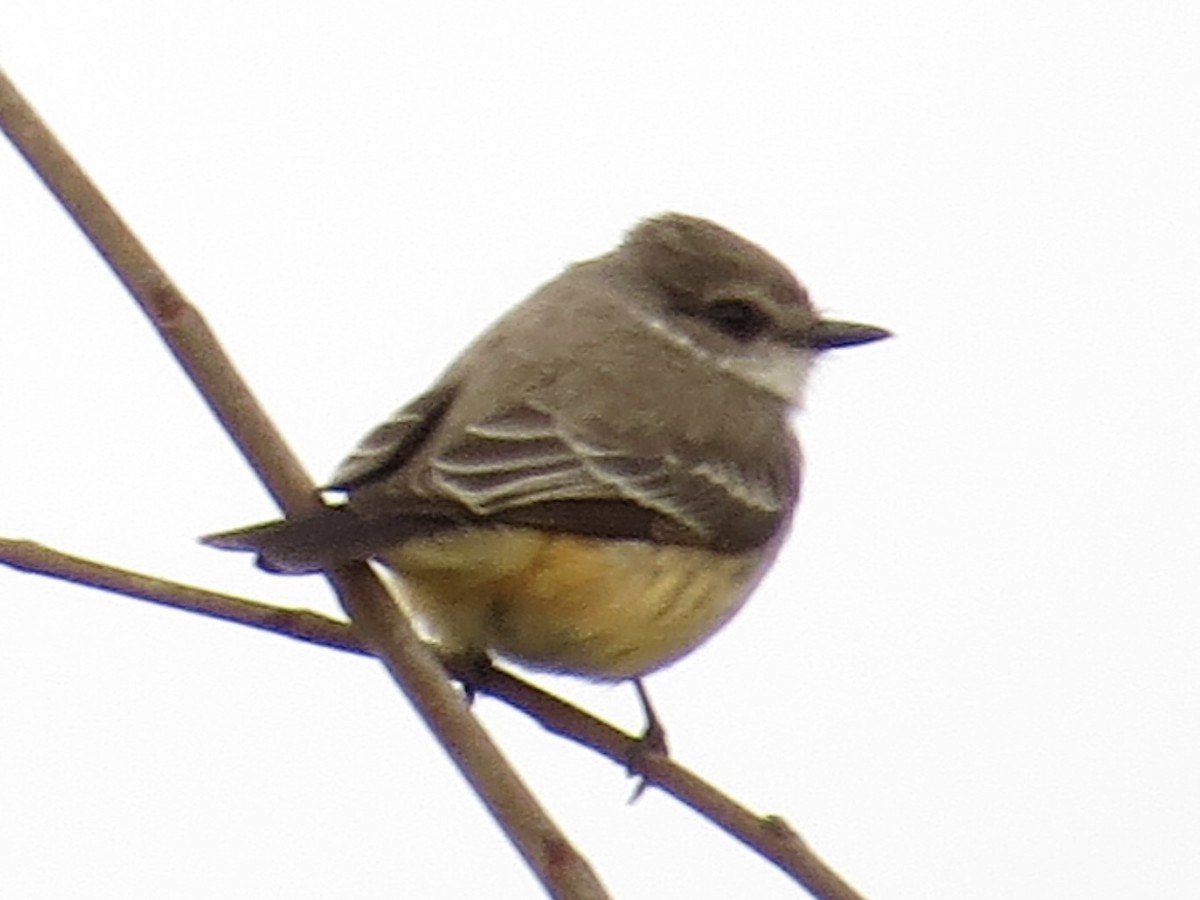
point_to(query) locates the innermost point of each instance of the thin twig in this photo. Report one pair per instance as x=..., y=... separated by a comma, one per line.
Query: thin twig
x=769, y=836
x=303, y=625
x=561, y=869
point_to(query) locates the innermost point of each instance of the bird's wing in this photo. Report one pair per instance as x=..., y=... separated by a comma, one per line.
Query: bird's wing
x=528, y=466
x=390, y=445
x=524, y=466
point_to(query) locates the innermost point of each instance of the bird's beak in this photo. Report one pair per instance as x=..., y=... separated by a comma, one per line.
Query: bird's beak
x=826, y=334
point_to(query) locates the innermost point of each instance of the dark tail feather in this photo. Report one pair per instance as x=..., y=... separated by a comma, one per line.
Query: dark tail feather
x=274, y=542
x=333, y=536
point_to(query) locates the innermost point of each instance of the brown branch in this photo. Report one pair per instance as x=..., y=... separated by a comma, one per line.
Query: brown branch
x=561, y=869
x=769, y=836
x=303, y=625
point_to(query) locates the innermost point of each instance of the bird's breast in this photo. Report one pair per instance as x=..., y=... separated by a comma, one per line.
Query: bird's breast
x=601, y=608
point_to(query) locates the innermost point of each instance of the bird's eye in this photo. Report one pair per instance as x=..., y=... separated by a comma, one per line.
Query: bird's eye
x=739, y=319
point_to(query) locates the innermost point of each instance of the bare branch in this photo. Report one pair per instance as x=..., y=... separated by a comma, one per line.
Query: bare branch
x=313, y=628
x=561, y=869
x=769, y=836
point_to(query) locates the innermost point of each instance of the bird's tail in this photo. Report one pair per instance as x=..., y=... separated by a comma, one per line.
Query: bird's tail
x=333, y=536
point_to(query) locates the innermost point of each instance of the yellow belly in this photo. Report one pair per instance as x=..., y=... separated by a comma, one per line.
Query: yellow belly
x=599, y=608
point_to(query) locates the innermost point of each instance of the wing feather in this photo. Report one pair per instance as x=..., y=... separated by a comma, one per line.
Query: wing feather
x=526, y=457
x=420, y=473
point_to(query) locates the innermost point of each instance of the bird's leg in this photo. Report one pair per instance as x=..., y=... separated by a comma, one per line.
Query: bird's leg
x=467, y=667
x=654, y=738
x=652, y=741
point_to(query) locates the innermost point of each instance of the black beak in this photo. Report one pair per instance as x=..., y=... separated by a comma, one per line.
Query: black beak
x=826, y=334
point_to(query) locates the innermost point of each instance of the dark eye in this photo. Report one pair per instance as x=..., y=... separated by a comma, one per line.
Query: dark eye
x=737, y=318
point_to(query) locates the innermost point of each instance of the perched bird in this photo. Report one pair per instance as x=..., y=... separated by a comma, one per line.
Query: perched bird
x=600, y=480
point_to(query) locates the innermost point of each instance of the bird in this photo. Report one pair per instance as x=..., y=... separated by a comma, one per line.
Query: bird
x=597, y=484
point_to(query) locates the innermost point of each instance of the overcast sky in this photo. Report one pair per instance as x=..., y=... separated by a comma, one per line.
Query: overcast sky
x=974, y=672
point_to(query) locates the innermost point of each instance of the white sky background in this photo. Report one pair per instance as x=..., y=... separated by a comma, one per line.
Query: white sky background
x=973, y=673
